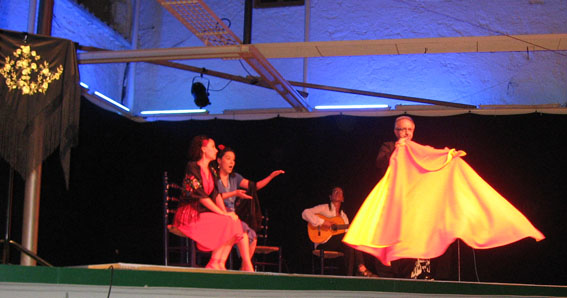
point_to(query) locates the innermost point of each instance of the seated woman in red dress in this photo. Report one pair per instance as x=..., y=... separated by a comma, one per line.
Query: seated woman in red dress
x=199, y=217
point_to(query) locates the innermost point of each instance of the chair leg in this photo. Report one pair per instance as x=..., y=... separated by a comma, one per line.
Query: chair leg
x=230, y=260
x=322, y=262
x=186, y=257
x=280, y=260
x=193, y=254
x=312, y=264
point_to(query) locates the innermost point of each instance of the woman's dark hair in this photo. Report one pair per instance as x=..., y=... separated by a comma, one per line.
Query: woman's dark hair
x=222, y=151
x=195, y=152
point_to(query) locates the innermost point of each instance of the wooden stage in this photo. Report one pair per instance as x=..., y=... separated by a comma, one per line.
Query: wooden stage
x=138, y=280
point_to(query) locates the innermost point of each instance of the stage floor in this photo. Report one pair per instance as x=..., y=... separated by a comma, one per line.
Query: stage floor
x=139, y=280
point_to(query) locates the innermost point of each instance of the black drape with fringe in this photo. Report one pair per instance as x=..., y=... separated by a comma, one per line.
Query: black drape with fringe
x=39, y=92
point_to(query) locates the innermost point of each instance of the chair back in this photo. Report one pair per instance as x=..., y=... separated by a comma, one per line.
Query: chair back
x=264, y=249
x=171, y=195
x=179, y=250
x=262, y=232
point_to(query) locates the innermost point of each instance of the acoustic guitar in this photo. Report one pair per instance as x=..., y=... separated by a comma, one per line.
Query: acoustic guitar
x=320, y=234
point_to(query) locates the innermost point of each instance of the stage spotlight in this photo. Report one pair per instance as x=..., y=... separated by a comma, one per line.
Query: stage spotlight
x=200, y=93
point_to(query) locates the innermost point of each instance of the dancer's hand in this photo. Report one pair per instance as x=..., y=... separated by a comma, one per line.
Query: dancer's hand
x=242, y=194
x=456, y=153
x=401, y=142
x=274, y=174
x=232, y=215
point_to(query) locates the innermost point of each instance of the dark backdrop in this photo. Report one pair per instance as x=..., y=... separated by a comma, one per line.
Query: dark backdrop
x=113, y=209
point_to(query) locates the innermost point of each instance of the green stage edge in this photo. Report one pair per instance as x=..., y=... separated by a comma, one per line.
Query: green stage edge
x=262, y=281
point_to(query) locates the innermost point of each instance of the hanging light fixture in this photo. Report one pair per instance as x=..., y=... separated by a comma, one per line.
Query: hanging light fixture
x=200, y=93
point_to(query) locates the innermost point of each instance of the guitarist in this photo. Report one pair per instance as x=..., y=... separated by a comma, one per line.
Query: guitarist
x=315, y=217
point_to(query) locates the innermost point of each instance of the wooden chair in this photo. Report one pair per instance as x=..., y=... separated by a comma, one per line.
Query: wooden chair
x=179, y=250
x=263, y=251
x=326, y=259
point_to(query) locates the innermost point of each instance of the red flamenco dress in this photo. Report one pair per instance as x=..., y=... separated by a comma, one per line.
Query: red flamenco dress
x=208, y=229
x=426, y=200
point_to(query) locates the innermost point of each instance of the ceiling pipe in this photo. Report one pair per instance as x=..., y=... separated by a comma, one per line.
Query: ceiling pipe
x=30, y=221
x=45, y=17
x=383, y=95
x=247, y=38
x=307, y=28
x=129, y=95
x=32, y=16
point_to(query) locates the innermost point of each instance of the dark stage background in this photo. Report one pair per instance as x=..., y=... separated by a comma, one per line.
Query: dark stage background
x=113, y=209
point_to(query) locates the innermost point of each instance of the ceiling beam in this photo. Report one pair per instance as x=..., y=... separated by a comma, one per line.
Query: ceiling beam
x=469, y=44
x=473, y=44
x=149, y=55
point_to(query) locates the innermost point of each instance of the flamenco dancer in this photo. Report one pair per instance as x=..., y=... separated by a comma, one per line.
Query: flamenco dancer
x=426, y=200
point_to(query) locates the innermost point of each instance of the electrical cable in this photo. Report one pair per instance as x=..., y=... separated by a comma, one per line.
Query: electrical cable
x=222, y=87
x=474, y=265
x=458, y=259
x=227, y=20
x=485, y=28
x=111, y=267
x=124, y=82
x=245, y=68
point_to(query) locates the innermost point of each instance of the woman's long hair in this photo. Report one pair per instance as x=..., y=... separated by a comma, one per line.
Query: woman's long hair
x=330, y=203
x=195, y=153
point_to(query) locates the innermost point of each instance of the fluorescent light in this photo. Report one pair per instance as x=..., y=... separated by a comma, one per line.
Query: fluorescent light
x=110, y=100
x=191, y=111
x=84, y=85
x=344, y=107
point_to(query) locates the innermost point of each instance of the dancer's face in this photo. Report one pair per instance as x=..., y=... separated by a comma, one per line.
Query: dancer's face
x=209, y=150
x=404, y=129
x=227, y=162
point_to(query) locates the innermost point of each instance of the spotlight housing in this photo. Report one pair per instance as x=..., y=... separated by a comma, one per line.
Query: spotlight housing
x=200, y=93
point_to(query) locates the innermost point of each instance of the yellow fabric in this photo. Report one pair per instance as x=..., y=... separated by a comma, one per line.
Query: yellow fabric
x=426, y=200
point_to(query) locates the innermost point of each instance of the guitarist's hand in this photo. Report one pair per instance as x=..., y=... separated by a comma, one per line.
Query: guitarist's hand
x=327, y=225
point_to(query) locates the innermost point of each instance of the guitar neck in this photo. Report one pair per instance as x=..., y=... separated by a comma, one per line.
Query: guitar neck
x=340, y=227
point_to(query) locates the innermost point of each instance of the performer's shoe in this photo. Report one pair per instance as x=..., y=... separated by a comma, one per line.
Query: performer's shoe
x=365, y=272
x=424, y=276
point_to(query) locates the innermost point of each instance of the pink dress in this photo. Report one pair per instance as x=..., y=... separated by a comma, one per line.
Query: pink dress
x=210, y=230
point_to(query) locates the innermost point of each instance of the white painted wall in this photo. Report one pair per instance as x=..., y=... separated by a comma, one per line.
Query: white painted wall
x=471, y=78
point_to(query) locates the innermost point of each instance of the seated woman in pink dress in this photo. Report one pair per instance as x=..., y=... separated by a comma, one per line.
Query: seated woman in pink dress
x=199, y=217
